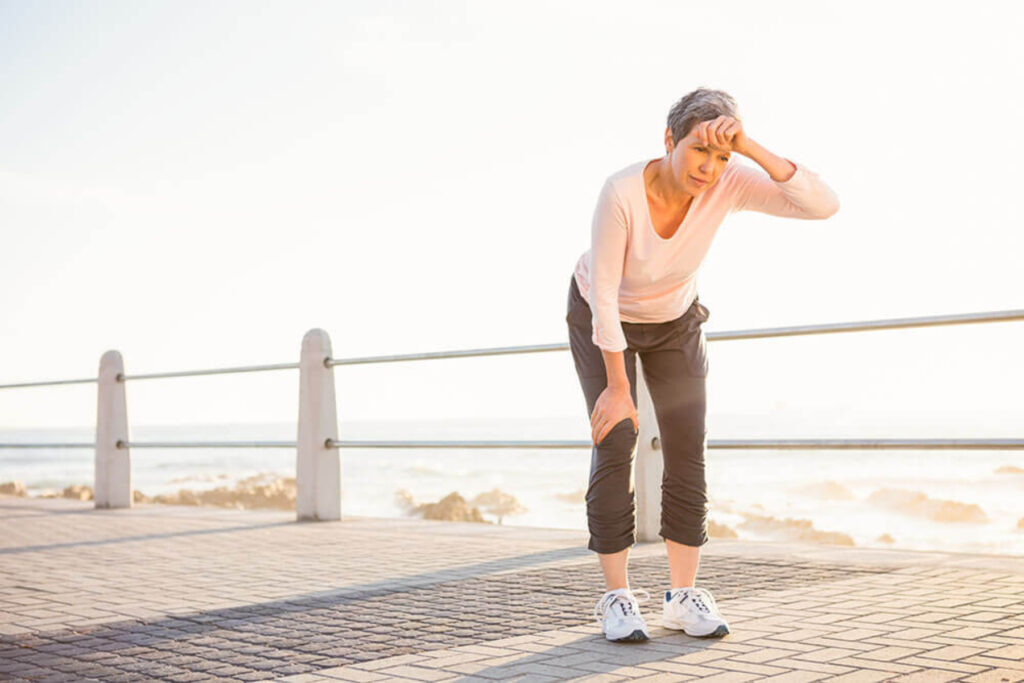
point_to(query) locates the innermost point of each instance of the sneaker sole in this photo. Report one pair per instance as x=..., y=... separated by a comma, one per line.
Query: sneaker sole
x=722, y=630
x=636, y=636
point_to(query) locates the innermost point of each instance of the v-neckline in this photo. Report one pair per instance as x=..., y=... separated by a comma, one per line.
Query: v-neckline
x=647, y=206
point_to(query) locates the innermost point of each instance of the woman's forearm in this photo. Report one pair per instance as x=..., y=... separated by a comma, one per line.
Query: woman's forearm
x=777, y=167
x=615, y=369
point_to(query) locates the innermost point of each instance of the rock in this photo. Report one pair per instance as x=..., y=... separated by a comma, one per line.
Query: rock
x=451, y=508
x=918, y=504
x=78, y=492
x=498, y=503
x=264, y=490
x=186, y=497
x=716, y=530
x=793, y=529
x=13, y=488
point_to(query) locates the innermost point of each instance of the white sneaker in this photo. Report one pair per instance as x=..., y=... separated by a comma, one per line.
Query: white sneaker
x=693, y=610
x=619, y=615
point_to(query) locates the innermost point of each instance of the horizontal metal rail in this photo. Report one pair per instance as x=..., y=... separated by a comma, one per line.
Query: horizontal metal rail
x=155, y=375
x=829, y=328
x=873, y=444
x=728, y=444
x=47, y=445
x=212, y=371
x=868, y=325
x=825, y=444
x=50, y=383
x=786, y=444
x=207, y=444
x=465, y=353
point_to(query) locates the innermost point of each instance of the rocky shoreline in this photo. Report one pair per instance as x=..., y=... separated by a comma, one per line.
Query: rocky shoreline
x=270, y=491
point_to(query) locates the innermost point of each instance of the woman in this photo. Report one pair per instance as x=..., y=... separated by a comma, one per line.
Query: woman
x=635, y=292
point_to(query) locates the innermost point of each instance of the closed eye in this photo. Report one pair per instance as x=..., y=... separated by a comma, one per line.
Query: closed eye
x=701, y=149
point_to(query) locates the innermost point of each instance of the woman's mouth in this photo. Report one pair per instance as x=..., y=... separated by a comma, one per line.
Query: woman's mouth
x=698, y=181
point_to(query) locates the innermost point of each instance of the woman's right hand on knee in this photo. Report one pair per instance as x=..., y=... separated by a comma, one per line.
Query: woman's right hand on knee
x=614, y=405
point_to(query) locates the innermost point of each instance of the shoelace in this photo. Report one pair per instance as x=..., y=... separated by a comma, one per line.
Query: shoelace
x=701, y=598
x=625, y=602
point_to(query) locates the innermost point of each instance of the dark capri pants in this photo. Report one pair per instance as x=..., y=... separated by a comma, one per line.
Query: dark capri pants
x=675, y=365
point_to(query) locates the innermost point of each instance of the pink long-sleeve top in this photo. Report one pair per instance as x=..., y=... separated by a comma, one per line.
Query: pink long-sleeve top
x=632, y=274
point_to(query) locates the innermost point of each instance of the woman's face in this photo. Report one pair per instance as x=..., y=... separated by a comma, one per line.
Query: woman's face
x=692, y=162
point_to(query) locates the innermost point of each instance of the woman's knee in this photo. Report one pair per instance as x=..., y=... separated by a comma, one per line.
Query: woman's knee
x=621, y=438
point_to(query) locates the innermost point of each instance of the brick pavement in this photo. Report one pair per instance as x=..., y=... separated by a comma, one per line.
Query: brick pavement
x=183, y=594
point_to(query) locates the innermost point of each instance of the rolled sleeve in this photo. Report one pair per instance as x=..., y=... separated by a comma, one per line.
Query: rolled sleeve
x=804, y=195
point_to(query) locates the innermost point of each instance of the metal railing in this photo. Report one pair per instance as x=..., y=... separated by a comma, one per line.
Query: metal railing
x=317, y=392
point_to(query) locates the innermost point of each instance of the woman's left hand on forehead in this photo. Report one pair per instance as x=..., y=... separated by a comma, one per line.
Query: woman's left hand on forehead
x=725, y=132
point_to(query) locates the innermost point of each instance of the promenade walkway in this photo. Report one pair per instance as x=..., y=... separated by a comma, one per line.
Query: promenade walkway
x=186, y=594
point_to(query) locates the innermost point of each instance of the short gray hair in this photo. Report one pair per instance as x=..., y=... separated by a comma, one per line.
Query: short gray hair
x=703, y=104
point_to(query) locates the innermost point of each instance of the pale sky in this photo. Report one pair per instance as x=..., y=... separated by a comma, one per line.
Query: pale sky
x=196, y=184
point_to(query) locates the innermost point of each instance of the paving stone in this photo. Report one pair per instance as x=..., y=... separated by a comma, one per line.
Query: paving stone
x=798, y=677
x=198, y=600
x=996, y=676
x=928, y=676
x=861, y=676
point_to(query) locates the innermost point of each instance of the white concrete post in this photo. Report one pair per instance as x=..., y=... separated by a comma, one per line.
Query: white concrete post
x=648, y=465
x=112, y=475
x=317, y=468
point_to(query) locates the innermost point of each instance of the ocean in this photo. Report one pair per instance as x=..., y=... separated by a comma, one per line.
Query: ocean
x=958, y=501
